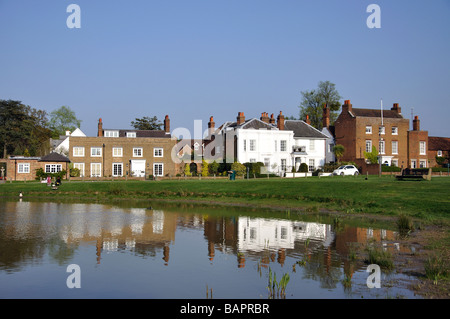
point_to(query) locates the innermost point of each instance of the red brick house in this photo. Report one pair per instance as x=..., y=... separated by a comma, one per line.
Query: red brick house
x=438, y=147
x=359, y=129
x=22, y=168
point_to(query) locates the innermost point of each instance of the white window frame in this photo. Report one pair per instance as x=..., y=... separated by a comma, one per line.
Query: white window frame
x=99, y=169
x=368, y=129
x=439, y=153
x=382, y=129
x=245, y=145
x=98, y=154
x=117, y=152
x=78, y=151
x=422, y=148
x=413, y=163
x=23, y=168
x=394, y=130
x=114, y=165
x=156, y=171
x=138, y=152
x=394, y=147
x=276, y=144
x=423, y=163
x=111, y=133
x=311, y=165
x=80, y=167
x=283, y=164
x=312, y=145
x=368, y=146
x=394, y=162
x=131, y=134
x=382, y=147
x=53, y=168
x=252, y=146
x=158, y=152
x=283, y=145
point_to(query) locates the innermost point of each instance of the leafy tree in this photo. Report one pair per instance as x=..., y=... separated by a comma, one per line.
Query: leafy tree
x=147, y=123
x=22, y=128
x=187, y=170
x=205, y=168
x=313, y=102
x=372, y=156
x=213, y=167
x=62, y=120
x=239, y=168
x=339, y=151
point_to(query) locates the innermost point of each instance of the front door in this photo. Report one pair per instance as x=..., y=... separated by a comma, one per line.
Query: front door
x=138, y=168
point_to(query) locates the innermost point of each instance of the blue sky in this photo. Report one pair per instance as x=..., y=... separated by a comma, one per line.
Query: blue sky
x=192, y=59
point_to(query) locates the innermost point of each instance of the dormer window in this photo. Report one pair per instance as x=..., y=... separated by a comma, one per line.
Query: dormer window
x=111, y=133
x=131, y=134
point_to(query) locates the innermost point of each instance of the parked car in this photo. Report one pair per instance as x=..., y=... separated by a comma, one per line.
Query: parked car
x=346, y=170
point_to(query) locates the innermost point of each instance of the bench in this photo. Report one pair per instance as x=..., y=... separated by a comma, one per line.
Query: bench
x=415, y=174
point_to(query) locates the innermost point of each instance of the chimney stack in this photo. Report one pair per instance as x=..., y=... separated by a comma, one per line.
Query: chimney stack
x=100, y=128
x=211, y=125
x=347, y=107
x=167, y=124
x=326, y=116
x=240, y=118
x=265, y=117
x=280, y=121
x=272, y=119
x=416, y=123
x=396, y=108
x=308, y=121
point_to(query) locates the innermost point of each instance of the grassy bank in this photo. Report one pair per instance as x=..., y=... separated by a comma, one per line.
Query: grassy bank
x=426, y=200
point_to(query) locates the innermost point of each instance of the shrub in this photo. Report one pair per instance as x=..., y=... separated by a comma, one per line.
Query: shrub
x=303, y=168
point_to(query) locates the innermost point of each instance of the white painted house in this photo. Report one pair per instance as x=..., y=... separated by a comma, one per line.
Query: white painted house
x=280, y=145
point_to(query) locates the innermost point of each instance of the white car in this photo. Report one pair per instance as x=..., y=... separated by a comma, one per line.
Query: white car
x=346, y=170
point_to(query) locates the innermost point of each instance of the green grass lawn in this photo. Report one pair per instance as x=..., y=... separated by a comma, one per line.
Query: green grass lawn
x=428, y=200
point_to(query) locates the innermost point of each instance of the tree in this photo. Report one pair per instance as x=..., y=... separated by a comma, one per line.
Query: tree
x=187, y=170
x=313, y=102
x=213, y=168
x=205, y=168
x=22, y=128
x=372, y=156
x=239, y=168
x=339, y=151
x=62, y=120
x=147, y=123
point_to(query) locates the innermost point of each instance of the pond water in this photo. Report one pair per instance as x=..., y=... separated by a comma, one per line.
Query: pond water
x=151, y=250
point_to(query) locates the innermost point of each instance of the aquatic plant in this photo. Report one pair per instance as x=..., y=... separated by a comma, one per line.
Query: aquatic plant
x=436, y=268
x=277, y=289
x=380, y=257
x=404, y=225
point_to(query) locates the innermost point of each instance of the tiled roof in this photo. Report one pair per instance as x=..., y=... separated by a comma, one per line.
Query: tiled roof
x=302, y=129
x=438, y=143
x=141, y=133
x=54, y=157
x=375, y=113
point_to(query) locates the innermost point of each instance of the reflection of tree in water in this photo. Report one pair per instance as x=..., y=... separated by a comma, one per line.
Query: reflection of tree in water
x=323, y=268
x=60, y=251
x=15, y=251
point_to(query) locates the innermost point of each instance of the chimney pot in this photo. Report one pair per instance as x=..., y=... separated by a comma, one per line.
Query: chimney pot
x=167, y=124
x=416, y=123
x=100, y=128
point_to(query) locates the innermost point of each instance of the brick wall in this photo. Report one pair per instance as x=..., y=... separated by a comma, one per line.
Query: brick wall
x=127, y=145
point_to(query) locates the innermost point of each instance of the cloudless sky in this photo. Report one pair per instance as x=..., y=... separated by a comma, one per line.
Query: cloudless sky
x=192, y=59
